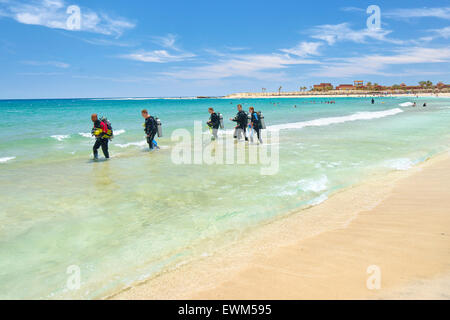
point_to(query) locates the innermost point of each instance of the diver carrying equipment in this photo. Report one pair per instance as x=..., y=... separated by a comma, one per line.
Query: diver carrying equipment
x=109, y=134
x=262, y=124
x=159, y=127
x=220, y=120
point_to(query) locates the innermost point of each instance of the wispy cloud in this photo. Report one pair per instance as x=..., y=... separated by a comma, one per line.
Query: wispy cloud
x=304, y=49
x=56, y=64
x=443, y=13
x=332, y=33
x=353, y=9
x=378, y=64
x=157, y=56
x=443, y=33
x=168, y=41
x=247, y=66
x=161, y=56
x=40, y=74
x=52, y=14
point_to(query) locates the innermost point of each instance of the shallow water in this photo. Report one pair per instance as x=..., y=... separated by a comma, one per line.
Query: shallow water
x=140, y=213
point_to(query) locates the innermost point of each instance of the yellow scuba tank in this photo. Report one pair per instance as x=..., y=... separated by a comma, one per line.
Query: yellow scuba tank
x=97, y=132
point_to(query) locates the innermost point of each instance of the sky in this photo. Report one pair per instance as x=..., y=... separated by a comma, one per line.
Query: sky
x=142, y=48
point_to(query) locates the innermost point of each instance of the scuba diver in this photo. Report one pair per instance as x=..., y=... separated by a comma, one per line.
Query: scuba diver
x=213, y=123
x=150, y=128
x=241, y=119
x=255, y=124
x=102, y=131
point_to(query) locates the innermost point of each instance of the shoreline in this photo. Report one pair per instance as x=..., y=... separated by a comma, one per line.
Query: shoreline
x=284, y=259
x=336, y=95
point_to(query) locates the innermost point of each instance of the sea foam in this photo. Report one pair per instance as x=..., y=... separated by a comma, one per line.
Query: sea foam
x=85, y=134
x=6, y=159
x=119, y=132
x=126, y=145
x=60, y=137
x=334, y=120
x=406, y=104
x=400, y=164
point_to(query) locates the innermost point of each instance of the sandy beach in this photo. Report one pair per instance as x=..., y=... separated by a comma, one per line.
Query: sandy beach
x=398, y=224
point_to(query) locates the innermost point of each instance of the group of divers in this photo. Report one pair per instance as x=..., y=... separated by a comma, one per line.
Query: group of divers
x=253, y=121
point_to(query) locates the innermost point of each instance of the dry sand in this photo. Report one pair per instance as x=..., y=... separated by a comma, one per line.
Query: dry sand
x=399, y=223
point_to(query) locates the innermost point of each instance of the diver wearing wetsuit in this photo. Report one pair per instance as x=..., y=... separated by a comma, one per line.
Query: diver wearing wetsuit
x=241, y=119
x=255, y=124
x=151, y=128
x=100, y=130
x=213, y=123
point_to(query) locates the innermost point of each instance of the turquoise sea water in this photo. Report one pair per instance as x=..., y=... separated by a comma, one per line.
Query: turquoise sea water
x=139, y=214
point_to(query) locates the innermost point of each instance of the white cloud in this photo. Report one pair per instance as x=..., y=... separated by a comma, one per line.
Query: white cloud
x=443, y=33
x=167, y=41
x=246, y=66
x=52, y=14
x=157, y=56
x=304, y=49
x=56, y=64
x=377, y=64
x=443, y=13
x=331, y=33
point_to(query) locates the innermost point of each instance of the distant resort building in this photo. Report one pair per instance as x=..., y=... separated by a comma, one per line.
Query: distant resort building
x=323, y=86
x=358, y=83
x=345, y=87
x=441, y=85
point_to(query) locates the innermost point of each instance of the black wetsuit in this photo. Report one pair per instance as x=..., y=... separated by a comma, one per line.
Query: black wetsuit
x=214, y=121
x=151, y=128
x=214, y=124
x=100, y=141
x=242, y=121
x=256, y=124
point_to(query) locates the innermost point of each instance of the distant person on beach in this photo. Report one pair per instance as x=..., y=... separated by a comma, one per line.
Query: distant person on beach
x=241, y=119
x=425, y=104
x=150, y=128
x=100, y=131
x=213, y=123
x=255, y=124
x=373, y=100
x=414, y=104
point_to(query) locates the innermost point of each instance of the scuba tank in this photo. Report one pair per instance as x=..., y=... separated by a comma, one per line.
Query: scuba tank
x=159, y=127
x=110, y=133
x=261, y=120
x=220, y=120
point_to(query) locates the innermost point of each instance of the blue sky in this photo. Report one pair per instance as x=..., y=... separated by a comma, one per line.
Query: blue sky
x=186, y=48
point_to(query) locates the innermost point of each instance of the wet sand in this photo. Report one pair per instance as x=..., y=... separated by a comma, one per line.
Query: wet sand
x=399, y=224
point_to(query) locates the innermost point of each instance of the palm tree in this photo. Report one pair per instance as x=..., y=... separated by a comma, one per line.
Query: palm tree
x=429, y=84
x=263, y=89
x=279, y=90
x=422, y=83
x=369, y=84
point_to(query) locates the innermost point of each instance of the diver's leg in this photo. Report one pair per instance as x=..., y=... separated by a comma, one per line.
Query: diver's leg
x=95, y=148
x=258, y=132
x=150, y=140
x=105, y=148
